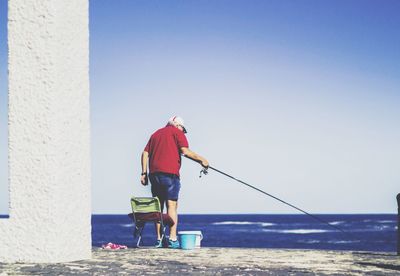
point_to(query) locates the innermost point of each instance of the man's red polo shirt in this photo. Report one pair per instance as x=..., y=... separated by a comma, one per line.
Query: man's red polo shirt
x=164, y=150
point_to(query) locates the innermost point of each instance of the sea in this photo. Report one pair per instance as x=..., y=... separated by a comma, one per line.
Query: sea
x=366, y=232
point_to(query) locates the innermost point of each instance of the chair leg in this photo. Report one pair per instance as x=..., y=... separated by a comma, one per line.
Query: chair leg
x=139, y=234
x=164, y=240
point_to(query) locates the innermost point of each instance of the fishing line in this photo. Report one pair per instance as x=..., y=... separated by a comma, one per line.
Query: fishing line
x=205, y=172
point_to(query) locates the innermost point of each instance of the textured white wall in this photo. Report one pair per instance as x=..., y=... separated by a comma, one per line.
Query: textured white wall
x=49, y=143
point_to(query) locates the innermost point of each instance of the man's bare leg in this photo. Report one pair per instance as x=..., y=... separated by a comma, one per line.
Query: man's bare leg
x=172, y=209
x=158, y=231
x=158, y=225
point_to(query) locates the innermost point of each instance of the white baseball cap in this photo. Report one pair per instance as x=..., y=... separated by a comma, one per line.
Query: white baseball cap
x=177, y=121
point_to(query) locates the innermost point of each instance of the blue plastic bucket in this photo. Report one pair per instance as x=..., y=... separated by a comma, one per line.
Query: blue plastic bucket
x=190, y=239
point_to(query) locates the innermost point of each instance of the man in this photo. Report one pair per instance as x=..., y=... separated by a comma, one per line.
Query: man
x=163, y=154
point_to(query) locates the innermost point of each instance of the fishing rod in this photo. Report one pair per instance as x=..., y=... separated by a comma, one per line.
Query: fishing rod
x=205, y=172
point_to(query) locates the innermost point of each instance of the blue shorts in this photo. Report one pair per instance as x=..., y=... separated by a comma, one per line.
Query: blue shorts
x=165, y=186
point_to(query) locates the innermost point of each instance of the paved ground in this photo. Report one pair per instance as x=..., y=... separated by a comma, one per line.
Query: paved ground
x=218, y=261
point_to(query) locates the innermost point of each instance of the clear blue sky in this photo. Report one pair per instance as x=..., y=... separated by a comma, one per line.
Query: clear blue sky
x=299, y=98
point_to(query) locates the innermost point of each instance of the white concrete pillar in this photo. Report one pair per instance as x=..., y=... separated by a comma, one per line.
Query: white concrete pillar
x=49, y=143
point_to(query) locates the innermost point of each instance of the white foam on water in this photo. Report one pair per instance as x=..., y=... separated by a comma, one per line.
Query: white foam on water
x=336, y=222
x=386, y=221
x=310, y=241
x=385, y=227
x=127, y=225
x=343, y=242
x=267, y=224
x=297, y=231
x=264, y=224
x=233, y=222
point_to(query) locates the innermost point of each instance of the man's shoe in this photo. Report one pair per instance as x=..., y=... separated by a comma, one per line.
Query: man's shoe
x=173, y=244
x=159, y=244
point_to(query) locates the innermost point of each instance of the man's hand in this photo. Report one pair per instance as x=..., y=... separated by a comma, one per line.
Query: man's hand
x=205, y=163
x=144, y=180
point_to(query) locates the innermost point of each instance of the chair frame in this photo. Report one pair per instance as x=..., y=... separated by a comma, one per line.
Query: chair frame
x=145, y=205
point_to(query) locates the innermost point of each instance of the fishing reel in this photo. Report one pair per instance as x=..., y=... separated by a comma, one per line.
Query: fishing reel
x=203, y=171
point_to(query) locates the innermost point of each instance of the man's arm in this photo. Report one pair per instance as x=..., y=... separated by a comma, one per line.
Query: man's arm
x=194, y=156
x=145, y=160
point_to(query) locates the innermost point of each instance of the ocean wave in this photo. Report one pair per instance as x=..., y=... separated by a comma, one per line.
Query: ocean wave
x=386, y=221
x=379, y=221
x=383, y=227
x=310, y=241
x=263, y=224
x=297, y=231
x=343, y=242
x=331, y=242
x=336, y=222
x=375, y=228
x=127, y=225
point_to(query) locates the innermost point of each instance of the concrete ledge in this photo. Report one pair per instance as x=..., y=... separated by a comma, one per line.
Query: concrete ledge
x=211, y=261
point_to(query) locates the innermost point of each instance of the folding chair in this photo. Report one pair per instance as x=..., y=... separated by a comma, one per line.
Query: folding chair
x=148, y=209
